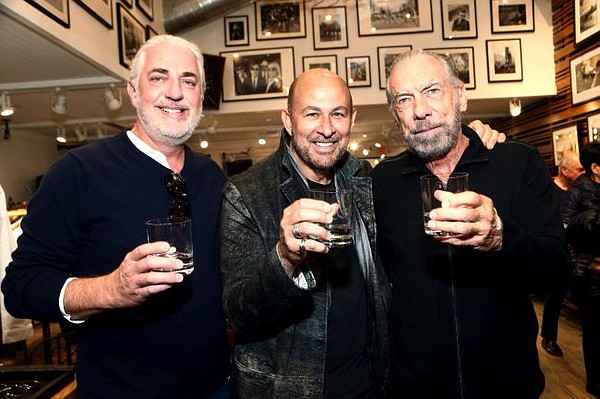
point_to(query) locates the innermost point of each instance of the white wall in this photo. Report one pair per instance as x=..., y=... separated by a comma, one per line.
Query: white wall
x=537, y=50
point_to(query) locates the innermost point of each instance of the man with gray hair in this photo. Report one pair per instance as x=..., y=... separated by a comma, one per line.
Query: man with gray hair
x=462, y=324
x=83, y=256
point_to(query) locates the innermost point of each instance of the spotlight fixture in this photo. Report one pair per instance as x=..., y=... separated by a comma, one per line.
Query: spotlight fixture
x=61, y=134
x=112, y=97
x=515, y=107
x=262, y=141
x=59, y=103
x=5, y=108
x=203, y=144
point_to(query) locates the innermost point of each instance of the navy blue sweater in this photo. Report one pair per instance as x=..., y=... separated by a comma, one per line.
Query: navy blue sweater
x=88, y=213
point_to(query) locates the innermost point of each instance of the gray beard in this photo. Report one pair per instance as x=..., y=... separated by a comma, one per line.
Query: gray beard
x=430, y=148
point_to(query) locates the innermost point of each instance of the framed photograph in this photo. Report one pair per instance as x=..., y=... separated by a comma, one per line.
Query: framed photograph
x=320, y=61
x=99, y=9
x=132, y=35
x=459, y=19
x=330, y=28
x=236, y=31
x=504, y=60
x=462, y=61
x=585, y=76
x=257, y=74
x=594, y=127
x=564, y=140
x=213, y=72
x=512, y=16
x=279, y=19
x=393, y=17
x=386, y=56
x=587, y=19
x=358, y=71
x=150, y=32
x=146, y=7
x=58, y=10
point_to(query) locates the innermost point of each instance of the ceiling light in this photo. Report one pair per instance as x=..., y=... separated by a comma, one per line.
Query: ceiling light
x=365, y=152
x=112, y=97
x=515, y=107
x=59, y=103
x=5, y=107
x=262, y=141
x=203, y=144
x=61, y=134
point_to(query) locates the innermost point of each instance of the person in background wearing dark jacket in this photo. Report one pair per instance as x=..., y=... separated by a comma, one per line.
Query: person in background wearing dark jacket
x=309, y=321
x=462, y=324
x=83, y=254
x=569, y=169
x=579, y=211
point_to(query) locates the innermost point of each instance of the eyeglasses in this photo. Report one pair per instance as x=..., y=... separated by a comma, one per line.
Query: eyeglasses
x=176, y=186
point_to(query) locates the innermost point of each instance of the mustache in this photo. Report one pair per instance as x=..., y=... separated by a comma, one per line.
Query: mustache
x=423, y=125
x=321, y=139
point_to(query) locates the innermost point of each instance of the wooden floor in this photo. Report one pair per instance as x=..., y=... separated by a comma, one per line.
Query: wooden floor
x=565, y=377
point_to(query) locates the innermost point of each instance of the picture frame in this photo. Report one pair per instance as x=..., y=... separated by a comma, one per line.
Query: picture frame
x=58, y=10
x=99, y=9
x=214, y=66
x=564, y=139
x=240, y=68
x=510, y=16
x=358, y=71
x=374, y=20
x=236, y=31
x=320, y=61
x=504, y=60
x=279, y=19
x=146, y=7
x=150, y=32
x=386, y=56
x=131, y=35
x=594, y=127
x=462, y=62
x=330, y=27
x=459, y=19
x=587, y=19
x=585, y=76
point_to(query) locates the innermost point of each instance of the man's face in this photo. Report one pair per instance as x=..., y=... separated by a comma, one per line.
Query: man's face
x=254, y=70
x=572, y=171
x=426, y=107
x=319, y=123
x=168, y=94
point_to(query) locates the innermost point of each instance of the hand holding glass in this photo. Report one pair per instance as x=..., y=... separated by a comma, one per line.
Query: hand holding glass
x=456, y=183
x=341, y=225
x=177, y=231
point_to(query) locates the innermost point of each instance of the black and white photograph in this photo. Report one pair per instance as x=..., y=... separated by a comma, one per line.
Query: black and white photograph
x=257, y=74
x=462, y=61
x=393, y=17
x=132, y=35
x=563, y=140
x=459, y=19
x=386, y=57
x=504, y=60
x=585, y=76
x=512, y=16
x=330, y=29
x=236, y=31
x=99, y=9
x=279, y=19
x=320, y=61
x=358, y=71
x=58, y=10
x=146, y=7
x=587, y=19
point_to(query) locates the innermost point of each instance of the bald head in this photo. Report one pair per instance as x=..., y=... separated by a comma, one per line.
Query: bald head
x=317, y=78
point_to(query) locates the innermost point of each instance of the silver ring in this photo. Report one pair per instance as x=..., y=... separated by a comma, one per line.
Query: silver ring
x=296, y=232
x=302, y=245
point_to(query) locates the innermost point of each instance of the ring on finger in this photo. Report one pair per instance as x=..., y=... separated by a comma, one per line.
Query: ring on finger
x=302, y=248
x=296, y=232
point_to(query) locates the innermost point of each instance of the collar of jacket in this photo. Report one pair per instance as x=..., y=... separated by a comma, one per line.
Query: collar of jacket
x=475, y=153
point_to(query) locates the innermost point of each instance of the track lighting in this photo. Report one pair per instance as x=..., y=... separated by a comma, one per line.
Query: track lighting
x=112, y=97
x=515, y=107
x=59, y=103
x=61, y=134
x=5, y=108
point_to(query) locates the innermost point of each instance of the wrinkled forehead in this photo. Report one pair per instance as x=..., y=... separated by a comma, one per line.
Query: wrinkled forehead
x=416, y=73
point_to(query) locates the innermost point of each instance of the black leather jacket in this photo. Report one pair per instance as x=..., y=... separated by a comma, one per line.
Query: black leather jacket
x=281, y=329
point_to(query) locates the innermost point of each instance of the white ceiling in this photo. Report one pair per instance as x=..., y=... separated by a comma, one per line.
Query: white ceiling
x=32, y=66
